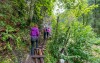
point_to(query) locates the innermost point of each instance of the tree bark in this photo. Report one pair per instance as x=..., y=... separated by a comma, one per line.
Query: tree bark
x=95, y=15
x=31, y=10
x=56, y=33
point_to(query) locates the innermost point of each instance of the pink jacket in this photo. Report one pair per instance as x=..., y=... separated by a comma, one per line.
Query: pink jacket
x=48, y=30
x=34, y=31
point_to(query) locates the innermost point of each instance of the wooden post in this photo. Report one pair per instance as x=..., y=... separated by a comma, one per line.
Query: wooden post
x=41, y=53
x=36, y=52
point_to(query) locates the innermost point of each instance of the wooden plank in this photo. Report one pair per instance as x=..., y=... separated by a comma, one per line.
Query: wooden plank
x=36, y=48
x=42, y=60
x=40, y=52
x=40, y=47
x=38, y=56
x=36, y=60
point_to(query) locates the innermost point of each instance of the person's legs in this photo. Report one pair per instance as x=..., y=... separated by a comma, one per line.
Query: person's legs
x=47, y=34
x=44, y=35
x=36, y=43
x=32, y=47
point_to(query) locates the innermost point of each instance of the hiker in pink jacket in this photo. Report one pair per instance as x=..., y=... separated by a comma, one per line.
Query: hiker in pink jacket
x=34, y=37
x=46, y=32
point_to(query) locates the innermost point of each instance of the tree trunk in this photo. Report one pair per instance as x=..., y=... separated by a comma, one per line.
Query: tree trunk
x=56, y=33
x=83, y=19
x=95, y=15
x=31, y=11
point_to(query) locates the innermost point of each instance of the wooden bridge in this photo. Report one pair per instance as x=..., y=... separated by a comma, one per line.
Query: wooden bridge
x=38, y=56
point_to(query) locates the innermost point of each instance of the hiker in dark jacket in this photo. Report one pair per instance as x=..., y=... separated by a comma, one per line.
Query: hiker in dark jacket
x=48, y=32
x=45, y=32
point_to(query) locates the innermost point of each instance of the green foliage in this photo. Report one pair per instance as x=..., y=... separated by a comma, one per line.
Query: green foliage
x=2, y=23
x=76, y=38
x=95, y=60
x=42, y=8
x=19, y=6
x=6, y=34
x=14, y=48
x=80, y=41
x=13, y=12
x=76, y=43
x=9, y=46
x=6, y=61
x=49, y=58
x=96, y=41
x=95, y=22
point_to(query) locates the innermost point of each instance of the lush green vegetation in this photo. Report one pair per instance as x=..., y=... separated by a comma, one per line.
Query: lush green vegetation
x=15, y=19
x=74, y=34
x=75, y=31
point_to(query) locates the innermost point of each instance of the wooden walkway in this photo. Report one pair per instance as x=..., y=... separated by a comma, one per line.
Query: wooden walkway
x=38, y=56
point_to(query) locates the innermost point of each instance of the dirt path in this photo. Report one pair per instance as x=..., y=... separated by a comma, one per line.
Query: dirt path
x=28, y=59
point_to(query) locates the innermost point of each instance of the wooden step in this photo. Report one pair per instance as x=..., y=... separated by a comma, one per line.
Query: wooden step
x=37, y=56
x=36, y=48
x=44, y=49
x=40, y=47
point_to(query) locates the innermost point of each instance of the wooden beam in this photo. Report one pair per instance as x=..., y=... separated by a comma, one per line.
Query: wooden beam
x=38, y=56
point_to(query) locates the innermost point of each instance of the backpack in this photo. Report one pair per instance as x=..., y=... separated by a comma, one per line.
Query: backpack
x=34, y=32
x=46, y=29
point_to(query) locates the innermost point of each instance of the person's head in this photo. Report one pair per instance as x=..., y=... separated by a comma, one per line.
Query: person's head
x=35, y=25
x=44, y=26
